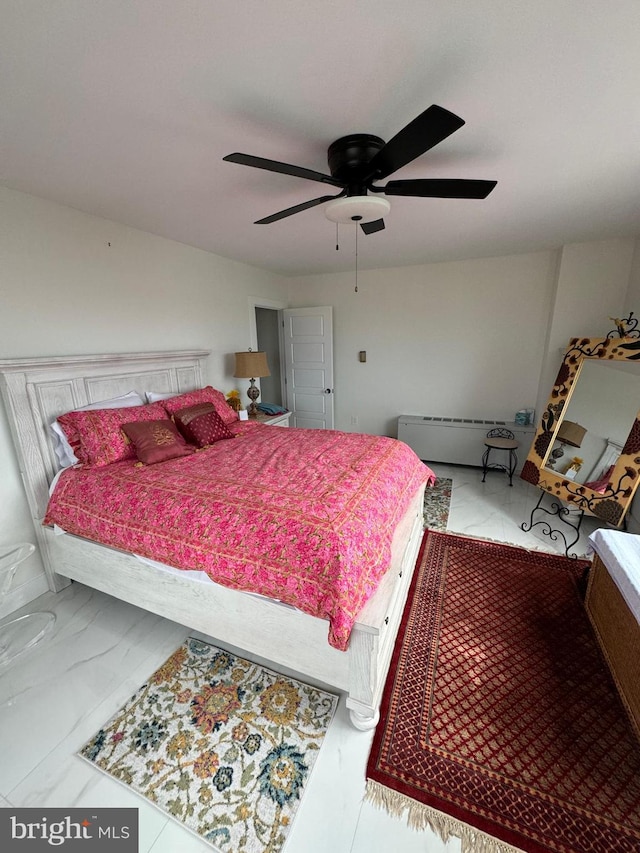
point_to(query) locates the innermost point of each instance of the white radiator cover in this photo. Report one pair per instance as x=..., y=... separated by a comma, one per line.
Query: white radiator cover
x=459, y=441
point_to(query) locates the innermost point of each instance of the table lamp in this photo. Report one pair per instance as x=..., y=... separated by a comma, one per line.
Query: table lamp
x=569, y=433
x=251, y=365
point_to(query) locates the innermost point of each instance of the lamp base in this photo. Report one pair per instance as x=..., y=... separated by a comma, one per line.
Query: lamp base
x=554, y=458
x=253, y=392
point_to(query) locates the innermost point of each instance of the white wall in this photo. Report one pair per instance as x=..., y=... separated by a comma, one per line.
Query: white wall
x=479, y=338
x=456, y=339
x=72, y=283
x=632, y=302
x=593, y=282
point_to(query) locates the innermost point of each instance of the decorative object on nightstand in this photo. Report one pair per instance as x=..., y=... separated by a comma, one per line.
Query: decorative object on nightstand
x=252, y=365
x=22, y=633
x=573, y=467
x=233, y=399
x=525, y=417
x=271, y=408
x=569, y=433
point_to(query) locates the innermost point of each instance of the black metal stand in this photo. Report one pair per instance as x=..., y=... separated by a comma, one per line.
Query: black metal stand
x=496, y=466
x=562, y=513
x=504, y=440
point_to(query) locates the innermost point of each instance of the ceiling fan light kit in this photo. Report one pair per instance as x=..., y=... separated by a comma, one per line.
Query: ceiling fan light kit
x=357, y=208
x=356, y=161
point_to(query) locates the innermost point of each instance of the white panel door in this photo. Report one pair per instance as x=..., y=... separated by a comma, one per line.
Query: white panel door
x=308, y=360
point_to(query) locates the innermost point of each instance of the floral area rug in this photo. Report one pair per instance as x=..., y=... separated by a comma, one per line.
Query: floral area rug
x=219, y=743
x=500, y=723
x=437, y=501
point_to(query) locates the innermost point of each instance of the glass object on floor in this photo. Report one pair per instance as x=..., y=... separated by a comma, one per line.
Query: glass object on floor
x=21, y=634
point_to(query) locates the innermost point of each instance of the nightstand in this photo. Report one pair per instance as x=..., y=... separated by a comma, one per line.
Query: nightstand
x=273, y=420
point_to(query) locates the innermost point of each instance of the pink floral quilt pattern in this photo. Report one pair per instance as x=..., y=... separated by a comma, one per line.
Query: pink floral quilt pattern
x=304, y=516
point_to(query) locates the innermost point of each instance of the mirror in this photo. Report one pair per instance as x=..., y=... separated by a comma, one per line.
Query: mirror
x=596, y=421
x=586, y=451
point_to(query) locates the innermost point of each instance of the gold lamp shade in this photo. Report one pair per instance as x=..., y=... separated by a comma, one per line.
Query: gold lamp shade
x=571, y=433
x=251, y=365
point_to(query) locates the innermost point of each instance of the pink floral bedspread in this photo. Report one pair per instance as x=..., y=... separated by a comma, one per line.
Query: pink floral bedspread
x=304, y=516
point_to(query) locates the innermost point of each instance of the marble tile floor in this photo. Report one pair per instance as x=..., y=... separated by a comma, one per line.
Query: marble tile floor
x=495, y=510
x=55, y=696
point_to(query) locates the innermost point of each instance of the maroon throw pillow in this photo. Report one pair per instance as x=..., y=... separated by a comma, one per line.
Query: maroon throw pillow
x=202, y=425
x=156, y=441
x=202, y=395
x=183, y=417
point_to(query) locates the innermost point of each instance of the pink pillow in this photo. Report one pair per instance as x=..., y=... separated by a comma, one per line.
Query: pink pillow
x=202, y=395
x=97, y=437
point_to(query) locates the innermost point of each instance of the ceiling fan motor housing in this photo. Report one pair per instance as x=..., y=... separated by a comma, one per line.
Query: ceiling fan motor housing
x=349, y=158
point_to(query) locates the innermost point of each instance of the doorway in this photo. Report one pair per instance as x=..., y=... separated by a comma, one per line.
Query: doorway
x=268, y=340
x=298, y=343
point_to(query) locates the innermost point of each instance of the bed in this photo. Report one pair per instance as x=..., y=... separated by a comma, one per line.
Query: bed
x=36, y=391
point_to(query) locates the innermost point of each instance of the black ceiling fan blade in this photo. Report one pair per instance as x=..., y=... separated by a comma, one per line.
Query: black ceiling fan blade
x=441, y=188
x=372, y=227
x=425, y=131
x=282, y=168
x=298, y=208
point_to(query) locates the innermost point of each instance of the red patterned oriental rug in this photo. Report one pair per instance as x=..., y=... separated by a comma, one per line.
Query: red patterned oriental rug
x=500, y=723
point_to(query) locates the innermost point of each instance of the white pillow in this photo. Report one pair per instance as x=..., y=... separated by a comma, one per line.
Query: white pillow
x=62, y=448
x=153, y=397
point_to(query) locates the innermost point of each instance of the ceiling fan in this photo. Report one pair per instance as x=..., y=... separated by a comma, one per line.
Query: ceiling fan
x=356, y=161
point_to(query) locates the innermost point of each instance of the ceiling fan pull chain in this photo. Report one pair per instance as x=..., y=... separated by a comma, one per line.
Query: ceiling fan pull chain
x=356, y=288
x=337, y=246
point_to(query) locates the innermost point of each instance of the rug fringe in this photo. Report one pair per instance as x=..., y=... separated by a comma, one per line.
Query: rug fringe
x=421, y=817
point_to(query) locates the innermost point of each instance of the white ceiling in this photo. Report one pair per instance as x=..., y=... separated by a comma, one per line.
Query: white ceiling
x=125, y=108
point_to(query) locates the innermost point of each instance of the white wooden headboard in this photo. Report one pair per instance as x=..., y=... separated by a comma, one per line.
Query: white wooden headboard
x=37, y=390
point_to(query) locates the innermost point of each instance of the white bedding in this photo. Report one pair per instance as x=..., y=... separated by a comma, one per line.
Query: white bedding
x=620, y=552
